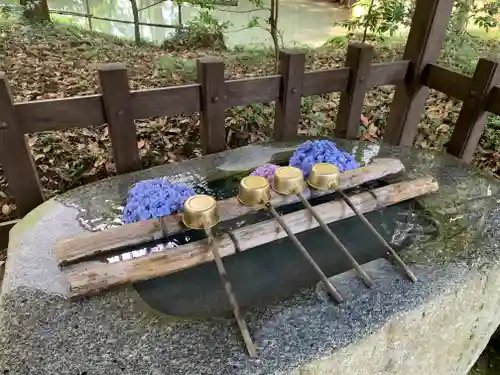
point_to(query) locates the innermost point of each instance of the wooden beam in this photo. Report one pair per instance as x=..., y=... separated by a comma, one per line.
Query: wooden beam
x=325, y=81
x=119, y=117
x=359, y=59
x=212, y=104
x=472, y=118
x=5, y=228
x=446, y=81
x=288, y=106
x=93, y=277
x=165, y=101
x=493, y=105
x=252, y=90
x=60, y=114
x=390, y=73
x=423, y=47
x=15, y=156
x=98, y=243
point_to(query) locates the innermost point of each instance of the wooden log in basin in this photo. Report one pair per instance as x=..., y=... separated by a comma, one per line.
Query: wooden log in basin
x=91, y=244
x=93, y=277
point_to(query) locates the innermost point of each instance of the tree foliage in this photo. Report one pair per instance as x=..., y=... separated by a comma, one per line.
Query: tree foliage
x=388, y=16
x=206, y=28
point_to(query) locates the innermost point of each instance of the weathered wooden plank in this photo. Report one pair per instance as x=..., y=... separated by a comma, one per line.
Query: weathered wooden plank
x=15, y=156
x=83, y=246
x=60, y=114
x=252, y=90
x=325, y=81
x=359, y=59
x=472, y=119
x=93, y=277
x=91, y=244
x=493, y=105
x=5, y=227
x=446, y=81
x=212, y=104
x=165, y=101
x=390, y=73
x=119, y=117
x=287, y=114
x=423, y=47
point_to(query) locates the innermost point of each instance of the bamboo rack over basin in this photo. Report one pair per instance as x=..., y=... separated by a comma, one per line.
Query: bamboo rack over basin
x=92, y=244
x=94, y=276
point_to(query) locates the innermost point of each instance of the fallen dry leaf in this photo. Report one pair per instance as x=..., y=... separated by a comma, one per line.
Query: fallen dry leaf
x=5, y=209
x=364, y=120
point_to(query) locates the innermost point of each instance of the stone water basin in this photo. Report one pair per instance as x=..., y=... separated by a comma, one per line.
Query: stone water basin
x=450, y=239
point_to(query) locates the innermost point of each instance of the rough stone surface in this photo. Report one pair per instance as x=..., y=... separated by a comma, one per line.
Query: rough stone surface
x=437, y=326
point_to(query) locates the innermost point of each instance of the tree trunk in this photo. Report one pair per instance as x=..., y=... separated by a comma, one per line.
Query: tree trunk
x=462, y=17
x=273, y=24
x=36, y=10
x=137, y=30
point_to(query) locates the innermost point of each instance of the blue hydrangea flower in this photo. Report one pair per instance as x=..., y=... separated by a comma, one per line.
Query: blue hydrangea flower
x=267, y=171
x=321, y=151
x=154, y=198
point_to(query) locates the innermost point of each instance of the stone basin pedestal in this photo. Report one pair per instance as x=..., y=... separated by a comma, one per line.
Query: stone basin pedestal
x=438, y=326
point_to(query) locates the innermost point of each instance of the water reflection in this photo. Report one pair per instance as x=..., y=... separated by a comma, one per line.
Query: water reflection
x=301, y=21
x=145, y=251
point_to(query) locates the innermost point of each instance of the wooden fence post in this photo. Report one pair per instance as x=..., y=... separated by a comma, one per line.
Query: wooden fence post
x=288, y=106
x=472, y=118
x=359, y=59
x=15, y=156
x=423, y=47
x=119, y=117
x=213, y=103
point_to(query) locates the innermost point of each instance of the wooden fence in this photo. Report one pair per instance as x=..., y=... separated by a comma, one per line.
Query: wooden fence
x=118, y=106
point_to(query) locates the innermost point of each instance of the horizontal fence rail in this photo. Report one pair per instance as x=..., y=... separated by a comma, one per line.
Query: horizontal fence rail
x=458, y=86
x=118, y=106
x=87, y=111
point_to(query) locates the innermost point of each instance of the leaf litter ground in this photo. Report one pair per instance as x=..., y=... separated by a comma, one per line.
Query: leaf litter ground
x=53, y=62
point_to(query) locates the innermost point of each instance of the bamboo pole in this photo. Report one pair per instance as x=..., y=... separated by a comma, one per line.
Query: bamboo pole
x=331, y=289
x=379, y=237
x=230, y=295
x=361, y=272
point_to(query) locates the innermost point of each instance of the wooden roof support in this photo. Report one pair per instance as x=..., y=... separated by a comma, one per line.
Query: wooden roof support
x=423, y=47
x=471, y=121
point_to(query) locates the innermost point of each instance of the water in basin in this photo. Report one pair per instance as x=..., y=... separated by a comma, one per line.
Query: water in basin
x=276, y=269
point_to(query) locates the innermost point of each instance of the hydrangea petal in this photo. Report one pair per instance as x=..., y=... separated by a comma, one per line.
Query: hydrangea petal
x=321, y=151
x=266, y=170
x=154, y=198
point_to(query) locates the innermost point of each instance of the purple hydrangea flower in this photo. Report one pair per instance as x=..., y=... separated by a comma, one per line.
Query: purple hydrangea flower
x=267, y=171
x=154, y=198
x=321, y=151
